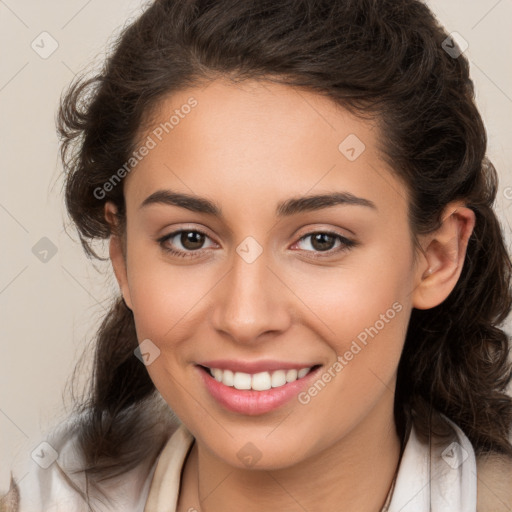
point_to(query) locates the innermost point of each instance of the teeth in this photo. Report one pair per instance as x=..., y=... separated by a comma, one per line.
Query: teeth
x=303, y=372
x=258, y=381
x=278, y=378
x=242, y=380
x=291, y=375
x=228, y=377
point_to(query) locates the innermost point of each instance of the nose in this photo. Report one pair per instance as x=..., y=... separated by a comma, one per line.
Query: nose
x=252, y=301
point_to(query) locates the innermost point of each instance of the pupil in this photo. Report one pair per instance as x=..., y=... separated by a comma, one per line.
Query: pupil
x=192, y=240
x=320, y=243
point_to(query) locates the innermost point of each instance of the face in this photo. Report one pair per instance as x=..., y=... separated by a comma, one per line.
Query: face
x=259, y=277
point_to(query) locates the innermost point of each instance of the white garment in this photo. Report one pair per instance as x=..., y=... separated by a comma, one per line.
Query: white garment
x=441, y=478
x=51, y=489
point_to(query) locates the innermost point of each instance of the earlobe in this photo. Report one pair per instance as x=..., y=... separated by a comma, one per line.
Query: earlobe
x=443, y=256
x=117, y=256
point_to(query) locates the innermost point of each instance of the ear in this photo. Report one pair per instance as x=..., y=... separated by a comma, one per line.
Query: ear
x=116, y=252
x=442, y=256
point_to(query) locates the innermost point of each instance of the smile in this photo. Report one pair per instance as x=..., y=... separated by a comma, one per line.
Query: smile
x=258, y=381
x=255, y=393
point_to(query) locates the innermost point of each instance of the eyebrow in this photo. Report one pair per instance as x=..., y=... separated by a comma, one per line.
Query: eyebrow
x=286, y=208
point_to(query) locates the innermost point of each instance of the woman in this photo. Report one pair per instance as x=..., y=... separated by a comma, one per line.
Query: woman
x=299, y=214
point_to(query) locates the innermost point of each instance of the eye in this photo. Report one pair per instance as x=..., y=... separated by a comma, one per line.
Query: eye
x=191, y=240
x=324, y=242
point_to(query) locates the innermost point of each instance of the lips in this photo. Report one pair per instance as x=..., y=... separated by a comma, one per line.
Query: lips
x=246, y=399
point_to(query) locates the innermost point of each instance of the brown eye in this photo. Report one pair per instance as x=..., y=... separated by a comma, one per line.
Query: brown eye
x=322, y=241
x=325, y=242
x=184, y=242
x=192, y=240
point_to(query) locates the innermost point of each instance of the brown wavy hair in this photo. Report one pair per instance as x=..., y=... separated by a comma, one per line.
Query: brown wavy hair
x=380, y=59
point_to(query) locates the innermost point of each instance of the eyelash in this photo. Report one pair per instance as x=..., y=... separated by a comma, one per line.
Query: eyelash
x=347, y=244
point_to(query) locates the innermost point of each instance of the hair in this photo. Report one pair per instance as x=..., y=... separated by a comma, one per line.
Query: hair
x=379, y=59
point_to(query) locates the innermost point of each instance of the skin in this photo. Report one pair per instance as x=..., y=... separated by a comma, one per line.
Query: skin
x=248, y=147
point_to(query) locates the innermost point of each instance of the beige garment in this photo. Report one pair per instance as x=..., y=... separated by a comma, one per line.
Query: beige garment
x=163, y=493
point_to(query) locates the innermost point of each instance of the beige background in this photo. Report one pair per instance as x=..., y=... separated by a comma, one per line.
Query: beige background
x=49, y=311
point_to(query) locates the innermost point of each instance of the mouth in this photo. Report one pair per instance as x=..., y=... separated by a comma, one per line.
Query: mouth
x=256, y=393
x=260, y=381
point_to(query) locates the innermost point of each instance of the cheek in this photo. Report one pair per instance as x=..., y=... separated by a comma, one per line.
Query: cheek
x=366, y=314
x=362, y=311
x=166, y=302
x=368, y=295
x=164, y=295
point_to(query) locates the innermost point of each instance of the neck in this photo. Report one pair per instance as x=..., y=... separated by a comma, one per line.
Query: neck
x=366, y=458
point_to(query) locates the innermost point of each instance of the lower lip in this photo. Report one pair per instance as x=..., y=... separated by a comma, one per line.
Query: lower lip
x=252, y=402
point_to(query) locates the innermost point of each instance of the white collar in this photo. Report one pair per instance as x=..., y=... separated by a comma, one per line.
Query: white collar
x=441, y=478
x=436, y=478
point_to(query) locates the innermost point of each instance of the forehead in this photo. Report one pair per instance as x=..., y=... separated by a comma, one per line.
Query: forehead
x=259, y=141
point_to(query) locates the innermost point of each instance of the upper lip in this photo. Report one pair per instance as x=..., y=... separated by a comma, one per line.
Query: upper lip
x=254, y=366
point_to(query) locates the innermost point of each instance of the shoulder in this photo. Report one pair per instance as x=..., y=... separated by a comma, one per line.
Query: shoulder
x=459, y=477
x=46, y=472
x=53, y=478
x=494, y=476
